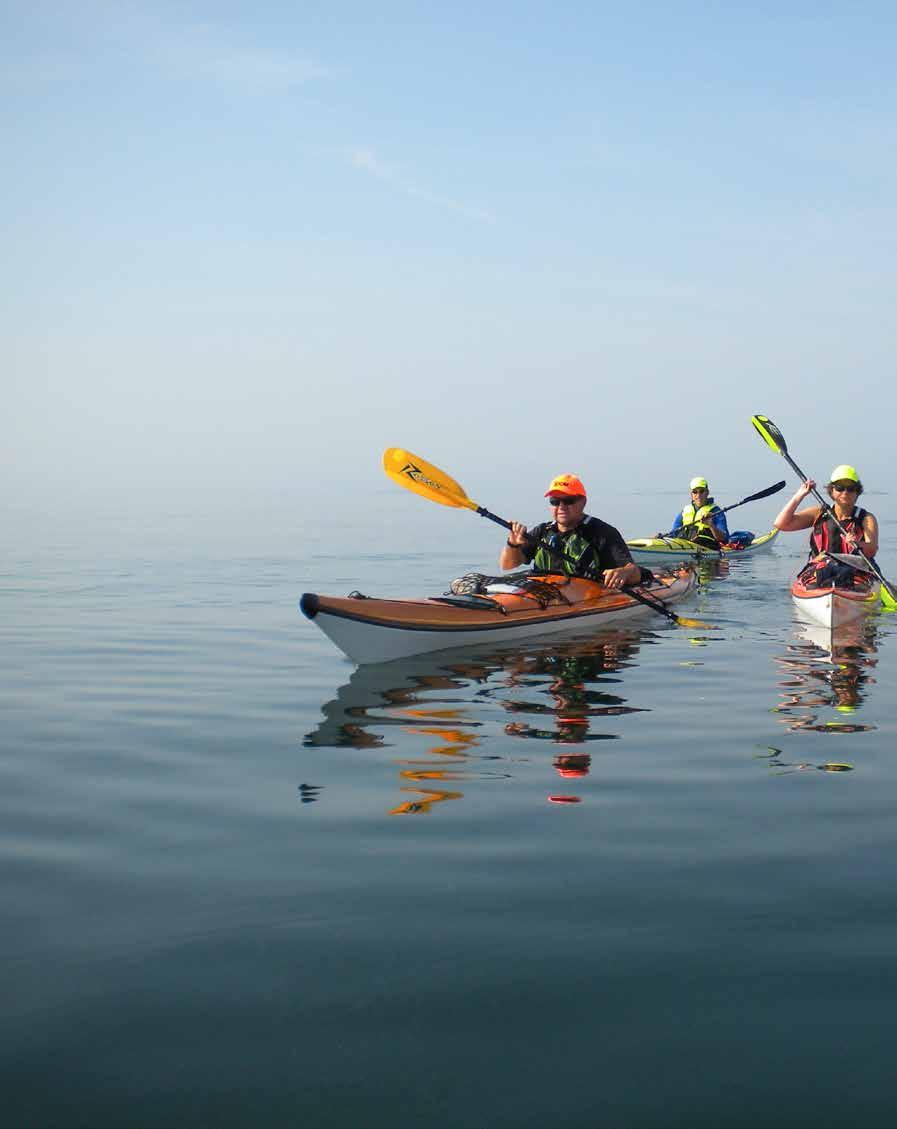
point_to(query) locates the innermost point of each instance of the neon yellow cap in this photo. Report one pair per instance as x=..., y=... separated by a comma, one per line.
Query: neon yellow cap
x=698, y=483
x=843, y=472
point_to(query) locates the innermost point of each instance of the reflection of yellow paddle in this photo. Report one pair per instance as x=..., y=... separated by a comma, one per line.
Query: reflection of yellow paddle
x=773, y=438
x=421, y=477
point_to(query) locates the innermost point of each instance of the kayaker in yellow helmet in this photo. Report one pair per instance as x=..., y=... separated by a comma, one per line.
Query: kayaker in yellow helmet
x=861, y=527
x=701, y=520
x=571, y=542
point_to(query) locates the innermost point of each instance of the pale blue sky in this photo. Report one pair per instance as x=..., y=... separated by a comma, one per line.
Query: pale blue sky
x=251, y=245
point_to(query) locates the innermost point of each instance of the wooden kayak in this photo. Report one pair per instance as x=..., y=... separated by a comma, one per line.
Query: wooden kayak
x=833, y=607
x=648, y=549
x=368, y=629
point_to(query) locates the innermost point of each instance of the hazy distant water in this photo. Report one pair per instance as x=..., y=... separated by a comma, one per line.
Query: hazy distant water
x=644, y=878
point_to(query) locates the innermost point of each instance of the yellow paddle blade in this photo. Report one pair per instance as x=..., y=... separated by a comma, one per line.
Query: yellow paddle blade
x=769, y=433
x=421, y=477
x=886, y=595
x=698, y=623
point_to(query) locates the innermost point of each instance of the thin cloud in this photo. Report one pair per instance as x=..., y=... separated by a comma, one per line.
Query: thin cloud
x=107, y=37
x=367, y=161
x=200, y=55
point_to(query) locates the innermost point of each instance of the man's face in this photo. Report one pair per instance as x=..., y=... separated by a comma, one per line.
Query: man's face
x=567, y=509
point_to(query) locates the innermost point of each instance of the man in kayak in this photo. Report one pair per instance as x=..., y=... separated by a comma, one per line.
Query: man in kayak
x=701, y=521
x=572, y=542
x=844, y=488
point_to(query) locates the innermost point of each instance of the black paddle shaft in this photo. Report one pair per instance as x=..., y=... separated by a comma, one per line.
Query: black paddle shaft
x=483, y=512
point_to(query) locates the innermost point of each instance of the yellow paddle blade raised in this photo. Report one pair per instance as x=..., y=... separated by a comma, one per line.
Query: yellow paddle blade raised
x=420, y=477
x=770, y=434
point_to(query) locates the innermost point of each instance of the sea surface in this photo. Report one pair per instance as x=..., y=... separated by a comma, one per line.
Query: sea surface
x=645, y=877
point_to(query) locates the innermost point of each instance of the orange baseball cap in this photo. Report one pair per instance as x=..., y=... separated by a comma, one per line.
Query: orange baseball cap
x=566, y=484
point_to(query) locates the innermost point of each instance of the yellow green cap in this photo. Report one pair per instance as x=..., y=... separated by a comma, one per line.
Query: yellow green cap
x=698, y=483
x=844, y=473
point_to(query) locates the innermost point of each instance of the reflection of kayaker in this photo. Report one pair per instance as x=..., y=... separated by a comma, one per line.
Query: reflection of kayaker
x=572, y=764
x=564, y=688
x=828, y=669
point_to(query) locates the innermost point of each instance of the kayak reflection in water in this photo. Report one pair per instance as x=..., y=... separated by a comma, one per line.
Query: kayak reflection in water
x=573, y=542
x=861, y=528
x=700, y=520
x=431, y=712
x=828, y=669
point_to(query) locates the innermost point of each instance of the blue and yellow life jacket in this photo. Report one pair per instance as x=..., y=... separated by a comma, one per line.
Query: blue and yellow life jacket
x=697, y=519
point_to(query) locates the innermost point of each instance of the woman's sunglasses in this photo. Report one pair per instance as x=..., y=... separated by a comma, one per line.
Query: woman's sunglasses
x=845, y=487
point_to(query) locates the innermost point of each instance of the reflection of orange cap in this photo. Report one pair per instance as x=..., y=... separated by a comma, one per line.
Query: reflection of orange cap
x=573, y=764
x=566, y=484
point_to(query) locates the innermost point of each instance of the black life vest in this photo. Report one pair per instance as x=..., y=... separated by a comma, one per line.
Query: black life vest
x=573, y=553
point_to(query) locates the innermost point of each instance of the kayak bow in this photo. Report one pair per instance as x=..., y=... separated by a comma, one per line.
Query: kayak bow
x=833, y=607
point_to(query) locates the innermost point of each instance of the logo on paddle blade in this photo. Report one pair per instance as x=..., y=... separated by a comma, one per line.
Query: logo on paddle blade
x=417, y=475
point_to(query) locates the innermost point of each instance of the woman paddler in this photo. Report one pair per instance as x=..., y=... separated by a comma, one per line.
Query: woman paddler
x=861, y=528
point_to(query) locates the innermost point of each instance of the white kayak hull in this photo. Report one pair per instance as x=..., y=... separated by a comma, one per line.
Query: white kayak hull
x=833, y=607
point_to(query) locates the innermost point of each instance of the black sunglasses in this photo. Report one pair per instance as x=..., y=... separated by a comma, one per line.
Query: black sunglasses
x=846, y=487
x=570, y=500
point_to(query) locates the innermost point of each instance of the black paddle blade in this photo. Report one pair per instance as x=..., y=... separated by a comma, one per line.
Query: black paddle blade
x=770, y=434
x=774, y=489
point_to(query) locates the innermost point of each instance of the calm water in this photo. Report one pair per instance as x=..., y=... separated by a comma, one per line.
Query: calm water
x=644, y=878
